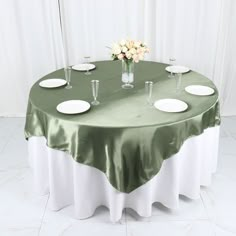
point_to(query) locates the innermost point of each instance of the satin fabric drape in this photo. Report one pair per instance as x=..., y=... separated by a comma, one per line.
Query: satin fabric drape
x=122, y=137
x=85, y=188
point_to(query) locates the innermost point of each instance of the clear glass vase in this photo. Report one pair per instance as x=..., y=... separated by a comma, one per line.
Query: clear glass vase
x=127, y=74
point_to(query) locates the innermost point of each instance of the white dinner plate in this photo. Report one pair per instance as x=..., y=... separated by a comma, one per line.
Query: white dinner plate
x=73, y=107
x=200, y=90
x=52, y=83
x=83, y=67
x=177, y=69
x=171, y=105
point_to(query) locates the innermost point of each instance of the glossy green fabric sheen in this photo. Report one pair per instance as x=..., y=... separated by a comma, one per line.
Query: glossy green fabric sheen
x=123, y=137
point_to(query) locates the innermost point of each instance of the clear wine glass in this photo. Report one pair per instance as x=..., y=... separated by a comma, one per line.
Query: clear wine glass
x=67, y=71
x=178, y=81
x=148, y=88
x=172, y=61
x=95, y=87
x=87, y=62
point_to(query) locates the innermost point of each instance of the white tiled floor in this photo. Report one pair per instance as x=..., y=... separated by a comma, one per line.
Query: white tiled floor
x=24, y=214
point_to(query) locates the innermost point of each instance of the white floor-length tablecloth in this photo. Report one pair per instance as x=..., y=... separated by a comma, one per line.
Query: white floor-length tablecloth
x=69, y=182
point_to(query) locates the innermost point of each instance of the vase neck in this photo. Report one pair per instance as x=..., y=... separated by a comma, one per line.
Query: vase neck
x=127, y=66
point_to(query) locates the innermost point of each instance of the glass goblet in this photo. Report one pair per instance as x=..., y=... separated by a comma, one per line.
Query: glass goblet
x=87, y=62
x=67, y=71
x=95, y=87
x=172, y=61
x=178, y=81
x=148, y=88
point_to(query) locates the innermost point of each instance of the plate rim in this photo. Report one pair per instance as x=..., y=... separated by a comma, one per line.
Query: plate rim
x=213, y=91
x=74, y=113
x=73, y=67
x=188, y=69
x=185, y=103
x=40, y=83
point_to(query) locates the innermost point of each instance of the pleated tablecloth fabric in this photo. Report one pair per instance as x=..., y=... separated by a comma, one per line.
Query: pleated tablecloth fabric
x=86, y=188
x=122, y=137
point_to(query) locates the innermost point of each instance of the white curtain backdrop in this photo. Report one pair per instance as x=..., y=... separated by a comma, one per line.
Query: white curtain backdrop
x=31, y=47
x=200, y=34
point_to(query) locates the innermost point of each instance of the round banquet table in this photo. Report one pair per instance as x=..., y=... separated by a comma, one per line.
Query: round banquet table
x=121, y=153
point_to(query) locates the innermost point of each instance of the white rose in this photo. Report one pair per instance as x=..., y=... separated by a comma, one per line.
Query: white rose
x=140, y=50
x=130, y=44
x=120, y=56
x=136, y=58
x=116, y=49
x=132, y=50
x=124, y=49
x=128, y=55
x=122, y=42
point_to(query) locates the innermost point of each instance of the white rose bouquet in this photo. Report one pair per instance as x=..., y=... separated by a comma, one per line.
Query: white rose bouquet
x=129, y=50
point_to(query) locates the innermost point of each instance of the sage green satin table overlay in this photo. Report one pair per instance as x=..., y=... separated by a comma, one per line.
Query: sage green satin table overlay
x=123, y=136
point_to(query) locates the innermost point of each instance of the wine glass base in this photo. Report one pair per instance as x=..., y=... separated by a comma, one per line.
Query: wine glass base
x=177, y=92
x=87, y=73
x=127, y=86
x=171, y=76
x=68, y=87
x=150, y=104
x=95, y=103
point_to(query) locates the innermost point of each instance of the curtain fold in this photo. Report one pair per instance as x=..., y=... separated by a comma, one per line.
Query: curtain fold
x=32, y=47
x=200, y=34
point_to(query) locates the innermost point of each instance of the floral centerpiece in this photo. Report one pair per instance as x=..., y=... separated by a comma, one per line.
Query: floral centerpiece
x=129, y=52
